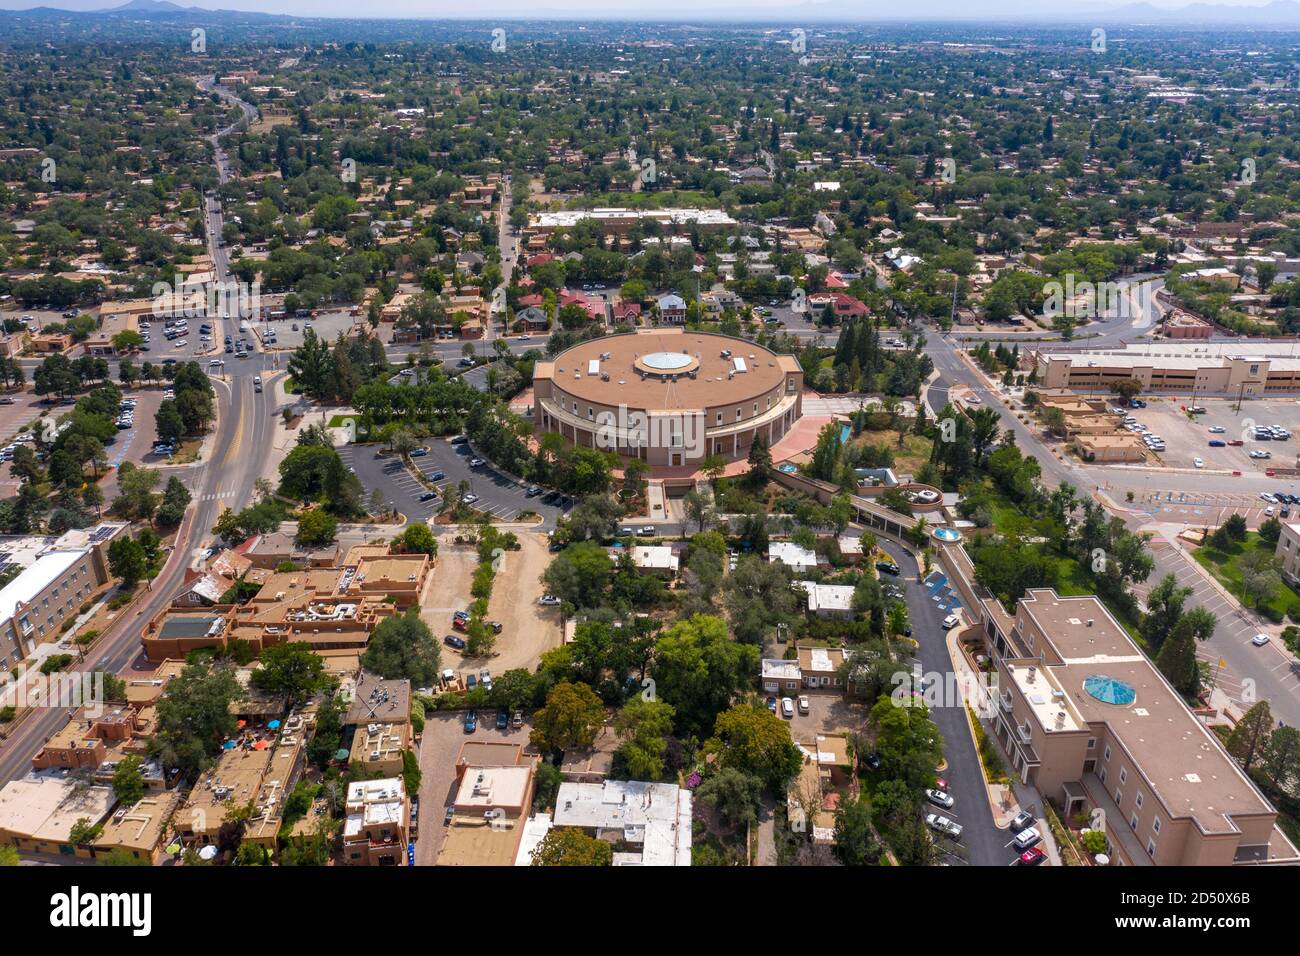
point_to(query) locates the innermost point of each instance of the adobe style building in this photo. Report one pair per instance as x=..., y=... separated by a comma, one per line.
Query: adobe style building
x=1089, y=721
x=377, y=827
x=669, y=397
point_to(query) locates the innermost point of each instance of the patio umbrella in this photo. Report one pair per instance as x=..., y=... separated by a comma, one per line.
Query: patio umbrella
x=273, y=725
x=261, y=745
x=229, y=745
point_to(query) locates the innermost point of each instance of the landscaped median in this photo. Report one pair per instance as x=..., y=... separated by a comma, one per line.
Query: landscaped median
x=1246, y=566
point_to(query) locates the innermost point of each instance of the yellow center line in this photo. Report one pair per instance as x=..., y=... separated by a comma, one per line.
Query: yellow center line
x=239, y=433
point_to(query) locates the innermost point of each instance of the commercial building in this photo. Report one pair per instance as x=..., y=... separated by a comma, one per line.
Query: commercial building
x=621, y=222
x=1088, y=720
x=376, y=830
x=379, y=716
x=1288, y=552
x=668, y=397
x=1247, y=369
x=828, y=600
x=38, y=812
x=334, y=609
x=140, y=831
x=494, y=790
x=52, y=589
x=653, y=820
x=259, y=768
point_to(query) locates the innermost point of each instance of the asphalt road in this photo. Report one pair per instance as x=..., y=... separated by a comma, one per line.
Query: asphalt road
x=243, y=436
x=983, y=841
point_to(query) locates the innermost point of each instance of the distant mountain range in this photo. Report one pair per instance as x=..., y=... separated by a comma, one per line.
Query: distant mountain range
x=1276, y=15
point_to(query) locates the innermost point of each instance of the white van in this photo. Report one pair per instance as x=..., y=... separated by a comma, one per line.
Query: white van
x=257, y=383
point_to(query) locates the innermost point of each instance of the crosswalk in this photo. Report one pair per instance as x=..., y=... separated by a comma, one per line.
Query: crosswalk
x=218, y=495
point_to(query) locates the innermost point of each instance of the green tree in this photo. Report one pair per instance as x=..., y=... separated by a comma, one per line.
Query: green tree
x=569, y=846
x=292, y=669
x=572, y=717
x=403, y=646
x=580, y=575
x=316, y=528
x=643, y=726
x=194, y=717
x=1249, y=739
x=855, y=840
x=698, y=668
x=126, y=560
x=128, y=780
x=734, y=795
x=756, y=741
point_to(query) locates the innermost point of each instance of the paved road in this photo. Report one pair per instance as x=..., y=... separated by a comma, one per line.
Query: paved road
x=242, y=442
x=1272, y=682
x=983, y=841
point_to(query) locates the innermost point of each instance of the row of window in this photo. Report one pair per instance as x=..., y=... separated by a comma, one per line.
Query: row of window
x=566, y=405
x=1137, y=800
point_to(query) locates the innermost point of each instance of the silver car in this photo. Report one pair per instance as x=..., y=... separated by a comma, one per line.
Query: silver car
x=943, y=825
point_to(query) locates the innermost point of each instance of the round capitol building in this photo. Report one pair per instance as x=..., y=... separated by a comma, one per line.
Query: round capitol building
x=667, y=396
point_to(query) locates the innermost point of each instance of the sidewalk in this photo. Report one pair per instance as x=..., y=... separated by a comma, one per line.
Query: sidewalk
x=1005, y=802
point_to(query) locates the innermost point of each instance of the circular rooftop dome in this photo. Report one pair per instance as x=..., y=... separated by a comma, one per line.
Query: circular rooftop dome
x=667, y=361
x=1110, y=690
x=946, y=535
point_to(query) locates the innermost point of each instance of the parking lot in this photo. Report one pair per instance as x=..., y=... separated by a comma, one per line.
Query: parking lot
x=400, y=488
x=499, y=495
x=444, y=734
x=1187, y=438
x=327, y=326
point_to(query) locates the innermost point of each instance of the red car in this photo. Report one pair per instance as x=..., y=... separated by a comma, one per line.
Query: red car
x=941, y=784
x=1236, y=442
x=1032, y=857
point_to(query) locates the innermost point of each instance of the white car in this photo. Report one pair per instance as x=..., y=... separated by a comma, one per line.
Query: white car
x=940, y=799
x=1198, y=463
x=1268, y=512
x=550, y=600
x=1027, y=838
x=1267, y=496
x=787, y=707
x=1260, y=453
x=943, y=825
x=469, y=499
x=1217, y=429
x=950, y=622
x=1259, y=640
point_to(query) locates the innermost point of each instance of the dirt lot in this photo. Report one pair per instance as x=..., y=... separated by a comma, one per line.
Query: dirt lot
x=528, y=630
x=448, y=591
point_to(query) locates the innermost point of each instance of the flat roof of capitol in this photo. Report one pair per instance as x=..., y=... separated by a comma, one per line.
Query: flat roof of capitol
x=667, y=369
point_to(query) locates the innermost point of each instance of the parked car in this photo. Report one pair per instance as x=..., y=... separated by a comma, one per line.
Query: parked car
x=548, y=600
x=771, y=704
x=950, y=622
x=517, y=720
x=804, y=705
x=469, y=499
x=1198, y=463
x=647, y=531
x=419, y=452
x=787, y=707
x=495, y=625
x=446, y=817
x=1031, y=857
x=1027, y=838
x=477, y=463
x=888, y=567
x=940, y=799
x=533, y=492
x=437, y=476
x=485, y=678
x=1217, y=429
x=1217, y=443
x=428, y=496
x=503, y=718
x=1259, y=640
x=1020, y=821
x=451, y=640
x=943, y=825
x=872, y=760
x=471, y=718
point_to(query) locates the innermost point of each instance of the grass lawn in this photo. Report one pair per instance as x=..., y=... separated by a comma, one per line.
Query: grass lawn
x=1226, y=566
